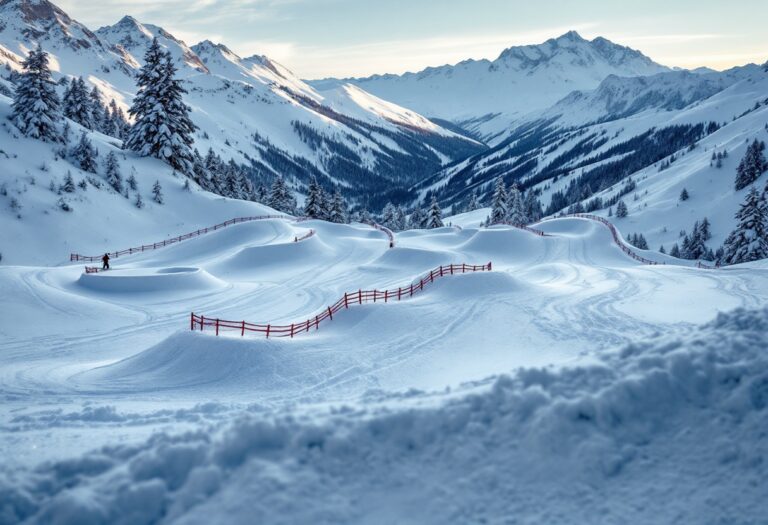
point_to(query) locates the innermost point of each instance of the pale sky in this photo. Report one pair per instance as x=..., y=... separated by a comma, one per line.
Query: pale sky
x=341, y=38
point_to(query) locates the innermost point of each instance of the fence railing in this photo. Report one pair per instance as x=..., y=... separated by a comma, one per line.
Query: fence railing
x=522, y=227
x=307, y=235
x=174, y=240
x=385, y=230
x=92, y=269
x=200, y=322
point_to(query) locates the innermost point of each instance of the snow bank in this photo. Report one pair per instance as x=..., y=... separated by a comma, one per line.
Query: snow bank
x=668, y=430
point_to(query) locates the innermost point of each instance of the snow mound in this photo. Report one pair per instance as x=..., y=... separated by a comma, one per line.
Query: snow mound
x=144, y=280
x=259, y=260
x=505, y=244
x=630, y=434
x=405, y=260
x=190, y=359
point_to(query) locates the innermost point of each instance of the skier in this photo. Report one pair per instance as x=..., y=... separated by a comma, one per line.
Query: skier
x=105, y=260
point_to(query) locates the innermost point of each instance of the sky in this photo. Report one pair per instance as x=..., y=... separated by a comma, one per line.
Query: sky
x=344, y=38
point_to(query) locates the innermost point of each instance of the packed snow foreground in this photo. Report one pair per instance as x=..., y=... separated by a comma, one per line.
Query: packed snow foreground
x=569, y=385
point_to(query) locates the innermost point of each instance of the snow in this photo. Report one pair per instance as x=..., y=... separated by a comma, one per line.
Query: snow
x=571, y=384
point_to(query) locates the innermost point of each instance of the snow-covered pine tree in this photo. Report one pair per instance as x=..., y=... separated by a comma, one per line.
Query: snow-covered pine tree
x=675, y=251
x=498, y=202
x=77, y=106
x=418, y=219
x=157, y=192
x=36, y=107
x=280, y=197
x=515, y=208
x=704, y=229
x=401, y=221
x=684, y=195
x=338, y=211
x=313, y=205
x=749, y=240
x=132, y=183
x=84, y=154
x=162, y=126
x=533, y=208
x=435, y=215
x=662, y=250
x=474, y=203
x=752, y=165
x=139, y=202
x=621, y=210
x=97, y=109
x=112, y=172
x=388, y=216
x=69, y=184
x=365, y=216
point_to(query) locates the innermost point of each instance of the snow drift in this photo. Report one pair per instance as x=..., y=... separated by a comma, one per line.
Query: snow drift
x=631, y=435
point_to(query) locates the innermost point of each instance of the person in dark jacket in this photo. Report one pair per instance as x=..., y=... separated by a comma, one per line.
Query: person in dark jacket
x=105, y=260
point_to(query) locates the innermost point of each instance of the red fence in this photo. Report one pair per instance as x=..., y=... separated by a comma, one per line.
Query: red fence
x=174, y=240
x=522, y=227
x=359, y=297
x=307, y=235
x=386, y=232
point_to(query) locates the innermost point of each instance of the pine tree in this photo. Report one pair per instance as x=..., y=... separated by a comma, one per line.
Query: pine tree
x=684, y=195
x=498, y=202
x=338, y=211
x=313, y=206
x=621, y=210
x=84, y=154
x=281, y=198
x=36, y=107
x=418, y=219
x=77, y=104
x=162, y=127
x=388, y=218
x=132, y=183
x=662, y=250
x=401, y=221
x=533, y=208
x=139, y=203
x=435, y=215
x=515, y=207
x=157, y=192
x=704, y=229
x=751, y=166
x=69, y=184
x=96, y=109
x=112, y=172
x=474, y=204
x=749, y=240
x=675, y=251
x=365, y=216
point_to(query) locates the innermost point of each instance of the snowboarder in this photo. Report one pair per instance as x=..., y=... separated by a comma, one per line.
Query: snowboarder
x=105, y=261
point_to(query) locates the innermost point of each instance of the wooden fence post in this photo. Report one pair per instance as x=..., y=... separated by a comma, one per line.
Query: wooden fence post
x=242, y=330
x=267, y=331
x=346, y=300
x=202, y=322
x=291, y=330
x=217, y=326
x=330, y=313
x=359, y=296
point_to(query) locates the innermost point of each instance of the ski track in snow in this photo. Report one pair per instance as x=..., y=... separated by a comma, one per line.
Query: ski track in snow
x=555, y=300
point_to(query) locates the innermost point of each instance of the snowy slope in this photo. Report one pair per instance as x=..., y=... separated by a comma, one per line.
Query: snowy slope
x=485, y=96
x=252, y=110
x=587, y=131
x=357, y=413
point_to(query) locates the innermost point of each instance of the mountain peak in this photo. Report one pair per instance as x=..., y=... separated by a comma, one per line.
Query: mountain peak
x=569, y=37
x=35, y=10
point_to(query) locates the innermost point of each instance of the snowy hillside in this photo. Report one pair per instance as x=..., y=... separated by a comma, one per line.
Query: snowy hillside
x=520, y=80
x=252, y=110
x=629, y=130
x=110, y=400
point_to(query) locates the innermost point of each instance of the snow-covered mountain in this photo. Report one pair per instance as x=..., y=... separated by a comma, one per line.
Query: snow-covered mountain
x=484, y=95
x=252, y=110
x=643, y=139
